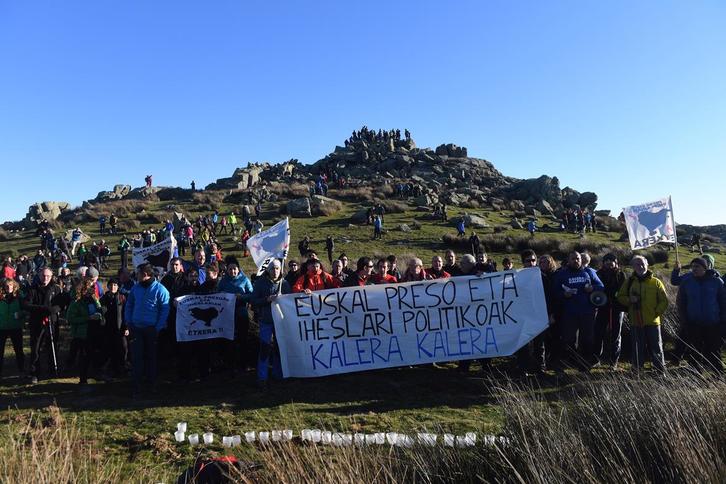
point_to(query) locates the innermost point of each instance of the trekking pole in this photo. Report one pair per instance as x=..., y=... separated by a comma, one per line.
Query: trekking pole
x=52, y=345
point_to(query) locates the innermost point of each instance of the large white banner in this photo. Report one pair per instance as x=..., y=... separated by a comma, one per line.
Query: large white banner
x=358, y=329
x=650, y=223
x=270, y=244
x=205, y=317
x=158, y=255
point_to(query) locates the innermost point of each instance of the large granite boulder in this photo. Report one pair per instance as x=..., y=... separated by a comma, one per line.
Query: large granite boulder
x=300, y=208
x=45, y=211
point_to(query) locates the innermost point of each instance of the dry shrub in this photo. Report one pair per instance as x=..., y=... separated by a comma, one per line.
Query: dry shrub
x=212, y=198
x=393, y=206
x=4, y=235
x=356, y=194
x=289, y=190
x=45, y=448
x=130, y=225
x=326, y=209
x=383, y=191
x=622, y=429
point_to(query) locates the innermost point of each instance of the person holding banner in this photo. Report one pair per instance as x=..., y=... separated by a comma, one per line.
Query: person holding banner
x=572, y=288
x=645, y=297
x=266, y=289
x=147, y=308
x=314, y=279
x=361, y=277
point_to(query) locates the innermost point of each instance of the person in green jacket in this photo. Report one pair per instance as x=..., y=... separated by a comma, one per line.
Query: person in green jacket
x=11, y=321
x=645, y=297
x=84, y=311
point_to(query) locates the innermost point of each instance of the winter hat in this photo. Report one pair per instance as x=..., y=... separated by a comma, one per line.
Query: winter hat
x=92, y=272
x=700, y=261
x=709, y=260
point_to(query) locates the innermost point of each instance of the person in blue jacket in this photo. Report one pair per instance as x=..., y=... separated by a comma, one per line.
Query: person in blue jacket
x=236, y=282
x=571, y=288
x=147, y=308
x=702, y=307
x=266, y=289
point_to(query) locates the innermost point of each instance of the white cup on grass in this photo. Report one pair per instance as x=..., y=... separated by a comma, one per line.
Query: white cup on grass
x=250, y=436
x=193, y=439
x=179, y=436
x=181, y=426
x=208, y=437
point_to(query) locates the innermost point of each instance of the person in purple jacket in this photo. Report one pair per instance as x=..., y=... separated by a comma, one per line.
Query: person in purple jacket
x=571, y=287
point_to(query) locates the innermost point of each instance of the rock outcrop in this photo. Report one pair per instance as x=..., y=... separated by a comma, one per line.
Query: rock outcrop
x=45, y=211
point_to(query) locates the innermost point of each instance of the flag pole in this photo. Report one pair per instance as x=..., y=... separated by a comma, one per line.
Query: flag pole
x=675, y=232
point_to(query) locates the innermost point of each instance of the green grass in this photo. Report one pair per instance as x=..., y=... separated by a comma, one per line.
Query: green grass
x=406, y=399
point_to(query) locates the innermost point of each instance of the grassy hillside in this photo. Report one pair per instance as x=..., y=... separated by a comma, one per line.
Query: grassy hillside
x=137, y=434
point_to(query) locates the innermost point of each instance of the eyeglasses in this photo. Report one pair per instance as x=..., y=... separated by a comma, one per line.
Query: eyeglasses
x=531, y=260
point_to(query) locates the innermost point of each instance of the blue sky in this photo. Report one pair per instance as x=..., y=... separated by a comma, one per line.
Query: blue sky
x=622, y=98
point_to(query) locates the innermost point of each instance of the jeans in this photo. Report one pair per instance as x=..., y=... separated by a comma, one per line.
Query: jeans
x=269, y=353
x=608, y=326
x=143, y=355
x=643, y=337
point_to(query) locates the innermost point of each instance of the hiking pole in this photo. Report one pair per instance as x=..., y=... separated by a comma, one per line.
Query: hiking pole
x=52, y=345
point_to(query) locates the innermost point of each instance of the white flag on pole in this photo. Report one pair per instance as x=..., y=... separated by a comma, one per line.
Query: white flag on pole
x=271, y=243
x=158, y=255
x=650, y=223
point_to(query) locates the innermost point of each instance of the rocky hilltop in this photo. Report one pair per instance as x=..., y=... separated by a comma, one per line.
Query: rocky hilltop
x=443, y=174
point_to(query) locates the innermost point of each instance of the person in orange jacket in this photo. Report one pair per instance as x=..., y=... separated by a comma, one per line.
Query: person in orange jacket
x=314, y=279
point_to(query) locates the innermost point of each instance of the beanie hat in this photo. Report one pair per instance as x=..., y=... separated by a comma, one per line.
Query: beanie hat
x=700, y=261
x=710, y=261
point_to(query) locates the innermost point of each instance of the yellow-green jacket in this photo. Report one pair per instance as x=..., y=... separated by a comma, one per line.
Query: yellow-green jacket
x=653, y=300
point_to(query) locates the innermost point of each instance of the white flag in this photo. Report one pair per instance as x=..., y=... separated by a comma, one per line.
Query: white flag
x=650, y=223
x=158, y=255
x=205, y=317
x=272, y=243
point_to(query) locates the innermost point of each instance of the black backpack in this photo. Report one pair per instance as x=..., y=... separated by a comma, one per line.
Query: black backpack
x=217, y=470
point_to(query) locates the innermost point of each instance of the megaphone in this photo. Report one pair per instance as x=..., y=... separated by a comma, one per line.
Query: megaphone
x=598, y=298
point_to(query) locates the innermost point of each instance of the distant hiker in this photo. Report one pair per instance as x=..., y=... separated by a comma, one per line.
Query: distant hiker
x=304, y=246
x=330, y=247
x=232, y=219
x=531, y=227
x=113, y=221
x=377, y=227
x=461, y=228
x=75, y=240
x=696, y=241
x=645, y=297
x=194, y=186
x=258, y=210
x=102, y=224
x=148, y=181
x=475, y=243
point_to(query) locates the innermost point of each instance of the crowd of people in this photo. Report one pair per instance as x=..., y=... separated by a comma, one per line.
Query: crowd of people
x=130, y=320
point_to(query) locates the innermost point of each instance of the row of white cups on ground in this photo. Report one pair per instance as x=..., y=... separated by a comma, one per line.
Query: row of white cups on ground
x=339, y=439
